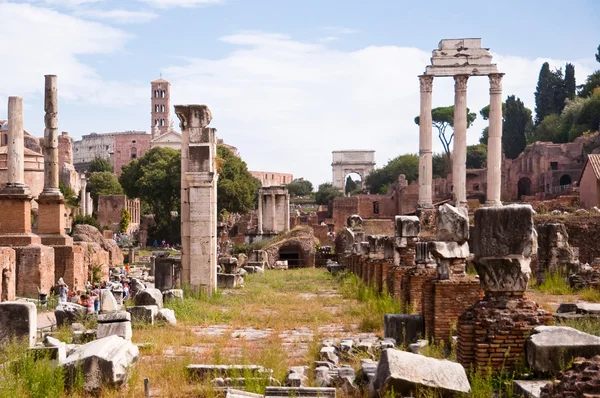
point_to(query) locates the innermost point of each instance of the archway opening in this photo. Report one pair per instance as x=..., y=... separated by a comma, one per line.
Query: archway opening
x=4, y=287
x=353, y=183
x=565, y=180
x=524, y=187
x=294, y=255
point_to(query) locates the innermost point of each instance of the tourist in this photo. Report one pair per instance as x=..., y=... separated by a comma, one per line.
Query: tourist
x=125, y=290
x=96, y=291
x=83, y=300
x=90, y=304
x=127, y=269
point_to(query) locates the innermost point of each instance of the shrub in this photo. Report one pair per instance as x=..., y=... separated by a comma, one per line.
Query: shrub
x=125, y=220
x=89, y=220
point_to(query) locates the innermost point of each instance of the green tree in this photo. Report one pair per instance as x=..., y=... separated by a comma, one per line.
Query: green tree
x=598, y=54
x=438, y=162
x=476, y=156
x=98, y=165
x=483, y=139
x=326, y=193
x=544, y=94
x=155, y=178
x=300, y=187
x=71, y=198
x=379, y=180
x=547, y=129
x=351, y=185
x=237, y=190
x=570, y=83
x=125, y=220
x=517, y=125
x=589, y=117
x=441, y=118
x=103, y=183
x=590, y=85
x=485, y=111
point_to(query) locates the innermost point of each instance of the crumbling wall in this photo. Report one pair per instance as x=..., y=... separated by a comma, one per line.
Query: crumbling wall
x=8, y=274
x=35, y=270
x=71, y=266
x=583, y=233
x=110, y=210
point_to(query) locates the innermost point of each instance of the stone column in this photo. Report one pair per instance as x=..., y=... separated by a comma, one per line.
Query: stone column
x=425, y=152
x=494, y=154
x=287, y=211
x=51, y=210
x=198, y=198
x=459, y=151
x=15, y=197
x=260, y=212
x=82, y=199
x=274, y=212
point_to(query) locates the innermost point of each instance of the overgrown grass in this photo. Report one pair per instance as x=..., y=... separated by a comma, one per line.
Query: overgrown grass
x=589, y=294
x=555, y=283
x=588, y=325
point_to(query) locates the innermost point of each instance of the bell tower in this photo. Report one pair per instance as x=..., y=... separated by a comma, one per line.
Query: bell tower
x=161, y=103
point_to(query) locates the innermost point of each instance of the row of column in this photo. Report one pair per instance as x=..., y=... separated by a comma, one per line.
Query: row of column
x=459, y=150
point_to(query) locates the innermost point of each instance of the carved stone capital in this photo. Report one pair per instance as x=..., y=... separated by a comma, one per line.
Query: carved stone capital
x=426, y=83
x=496, y=83
x=193, y=116
x=460, y=82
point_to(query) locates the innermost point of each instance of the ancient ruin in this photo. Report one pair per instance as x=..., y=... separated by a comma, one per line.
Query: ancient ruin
x=359, y=161
x=273, y=210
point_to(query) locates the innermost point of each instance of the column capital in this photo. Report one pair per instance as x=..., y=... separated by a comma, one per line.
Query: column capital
x=496, y=83
x=426, y=82
x=460, y=82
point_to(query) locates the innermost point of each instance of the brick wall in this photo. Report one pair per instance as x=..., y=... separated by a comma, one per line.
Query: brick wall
x=16, y=216
x=35, y=269
x=7, y=274
x=71, y=266
x=583, y=232
x=94, y=255
x=415, y=279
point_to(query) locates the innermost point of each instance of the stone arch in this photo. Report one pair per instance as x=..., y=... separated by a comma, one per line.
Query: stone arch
x=523, y=187
x=361, y=162
x=293, y=253
x=565, y=179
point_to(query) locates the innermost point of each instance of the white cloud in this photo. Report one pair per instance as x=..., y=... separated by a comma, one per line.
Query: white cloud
x=339, y=30
x=44, y=41
x=287, y=104
x=180, y=3
x=119, y=16
x=66, y=3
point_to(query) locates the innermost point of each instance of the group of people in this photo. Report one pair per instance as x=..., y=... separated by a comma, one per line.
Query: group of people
x=88, y=298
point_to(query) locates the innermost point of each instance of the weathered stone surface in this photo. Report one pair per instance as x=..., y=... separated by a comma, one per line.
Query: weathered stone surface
x=117, y=316
x=503, y=274
x=415, y=348
x=136, y=286
x=550, y=348
x=166, y=315
x=404, y=328
x=121, y=329
x=452, y=224
x=588, y=308
x=299, y=392
x=229, y=281
x=408, y=226
x=149, y=296
x=528, y=388
x=504, y=231
x=297, y=376
x=18, y=320
x=203, y=371
x=404, y=371
x=581, y=380
x=88, y=233
x=105, y=362
x=232, y=393
x=328, y=354
x=172, y=294
x=108, y=303
x=449, y=249
x=143, y=313
x=346, y=345
x=367, y=372
x=69, y=313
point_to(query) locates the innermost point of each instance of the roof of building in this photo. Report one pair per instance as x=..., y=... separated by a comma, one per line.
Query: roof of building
x=160, y=80
x=594, y=161
x=27, y=151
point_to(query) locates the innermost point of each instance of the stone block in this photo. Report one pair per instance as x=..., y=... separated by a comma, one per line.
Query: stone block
x=405, y=372
x=69, y=313
x=408, y=226
x=229, y=281
x=204, y=372
x=35, y=270
x=328, y=354
x=503, y=274
x=299, y=392
x=404, y=328
x=528, y=388
x=8, y=274
x=504, y=231
x=121, y=329
x=18, y=320
x=166, y=315
x=449, y=249
x=452, y=224
x=106, y=362
x=143, y=313
x=149, y=296
x=549, y=349
x=233, y=393
x=116, y=316
x=172, y=294
x=108, y=303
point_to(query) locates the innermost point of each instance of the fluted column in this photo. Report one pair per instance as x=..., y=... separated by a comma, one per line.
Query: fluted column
x=51, y=138
x=82, y=198
x=260, y=212
x=274, y=212
x=286, y=199
x=494, y=151
x=459, y=151
x=15, y=156
x=425, y=138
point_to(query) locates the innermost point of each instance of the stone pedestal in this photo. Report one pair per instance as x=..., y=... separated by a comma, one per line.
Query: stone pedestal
x=15, y=223
x=52, y=221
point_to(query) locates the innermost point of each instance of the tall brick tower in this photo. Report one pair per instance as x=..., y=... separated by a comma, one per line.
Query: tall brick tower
x=161, y=103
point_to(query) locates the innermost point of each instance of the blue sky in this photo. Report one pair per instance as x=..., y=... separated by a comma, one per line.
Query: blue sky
x=287, y=81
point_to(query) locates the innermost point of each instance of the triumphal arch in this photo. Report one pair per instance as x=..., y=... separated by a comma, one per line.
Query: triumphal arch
x=359, y=161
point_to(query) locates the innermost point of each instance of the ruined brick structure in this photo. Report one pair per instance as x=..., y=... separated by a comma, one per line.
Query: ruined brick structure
x=269, y=178
x=8, y=274
x=110, y=212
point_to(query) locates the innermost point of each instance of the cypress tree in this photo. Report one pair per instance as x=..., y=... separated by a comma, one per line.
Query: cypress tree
x=544, y=94
x=517, y=123
x=570, y=83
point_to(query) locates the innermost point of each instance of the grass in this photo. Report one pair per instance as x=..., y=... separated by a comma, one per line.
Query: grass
x=589, y=294
x=587, y=325
x=555, y=283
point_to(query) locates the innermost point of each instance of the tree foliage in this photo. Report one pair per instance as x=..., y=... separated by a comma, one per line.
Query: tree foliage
x=98, y=165
x=476, y=156
x=103, y=183
x=516, y=127
x=155, y=178
x=380, y=180
x=237, y=189
x=591, y=83
x=352, y=186
x=125, y=220
x=439, y=164
x=570, y=83
x=441, y=118
x=300, y=188
x=553, y=90
x=326, y=193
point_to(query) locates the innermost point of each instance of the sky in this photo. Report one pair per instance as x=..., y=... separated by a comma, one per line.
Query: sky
x=287, y=81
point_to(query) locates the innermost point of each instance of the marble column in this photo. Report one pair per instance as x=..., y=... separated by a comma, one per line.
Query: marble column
x=82, y=199
x=15, y=155
x=425, y=150
x=494, y=154
x=287, y=212
x=260, y=212
x=51, y=138
x=459, y=150
x=274, y=212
